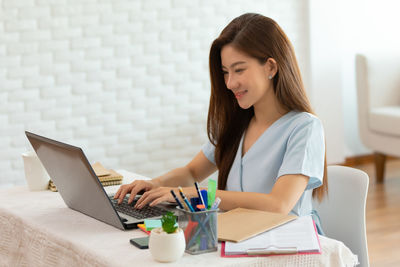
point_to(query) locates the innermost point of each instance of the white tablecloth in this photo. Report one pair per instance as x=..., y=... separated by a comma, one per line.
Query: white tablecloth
x=37, y=229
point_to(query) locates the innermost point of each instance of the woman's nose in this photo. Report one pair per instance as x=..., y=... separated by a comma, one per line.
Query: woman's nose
x=231, y=82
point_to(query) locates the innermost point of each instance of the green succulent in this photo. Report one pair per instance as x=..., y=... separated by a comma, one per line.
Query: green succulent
x=168, y=222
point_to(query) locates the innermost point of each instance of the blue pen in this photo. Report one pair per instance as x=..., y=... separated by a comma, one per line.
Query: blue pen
x=204, y=194
x=196, y=184
x=185, y=199
x=177, y=200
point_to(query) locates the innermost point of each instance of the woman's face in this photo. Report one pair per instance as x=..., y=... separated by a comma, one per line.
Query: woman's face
x=245, y=76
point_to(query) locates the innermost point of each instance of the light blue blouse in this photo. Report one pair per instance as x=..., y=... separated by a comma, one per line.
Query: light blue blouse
x=294, y=144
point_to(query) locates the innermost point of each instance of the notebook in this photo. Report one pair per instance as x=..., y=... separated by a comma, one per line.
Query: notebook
x=80, y=188
x=100, y=170
x=106, y=177
x=297, y=236
x=104, y=174
x=240, y=224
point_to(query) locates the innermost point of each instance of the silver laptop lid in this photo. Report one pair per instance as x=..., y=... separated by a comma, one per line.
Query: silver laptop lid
x=75, y=179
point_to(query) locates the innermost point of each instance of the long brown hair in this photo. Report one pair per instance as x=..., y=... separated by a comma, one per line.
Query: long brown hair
x=262, y=38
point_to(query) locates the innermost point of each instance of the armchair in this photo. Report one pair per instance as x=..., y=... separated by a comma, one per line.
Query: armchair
x=378, y=94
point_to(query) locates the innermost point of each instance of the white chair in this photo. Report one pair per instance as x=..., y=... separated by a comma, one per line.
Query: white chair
x=378, y=94
x=342, y=211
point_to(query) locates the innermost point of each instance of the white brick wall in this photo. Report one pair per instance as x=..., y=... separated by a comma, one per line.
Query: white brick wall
x=125, y=80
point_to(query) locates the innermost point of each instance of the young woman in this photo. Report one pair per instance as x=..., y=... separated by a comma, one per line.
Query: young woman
x=264, y=140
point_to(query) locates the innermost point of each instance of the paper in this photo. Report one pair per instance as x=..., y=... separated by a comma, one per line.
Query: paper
x=299, y=234
x=142, y=227
x=240, y=224
x=151, y=224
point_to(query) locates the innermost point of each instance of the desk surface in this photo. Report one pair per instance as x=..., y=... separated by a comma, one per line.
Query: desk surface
x=37, y=228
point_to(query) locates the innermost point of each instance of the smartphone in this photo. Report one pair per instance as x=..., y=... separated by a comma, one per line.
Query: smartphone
x=141, y=242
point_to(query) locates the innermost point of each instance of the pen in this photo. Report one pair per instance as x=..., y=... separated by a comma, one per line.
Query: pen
x=177, y=200
x=185, y=199
x=216, y=203
x=196, y=184
x=204, y=194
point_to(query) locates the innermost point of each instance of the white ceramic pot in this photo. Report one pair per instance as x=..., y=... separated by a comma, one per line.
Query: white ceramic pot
x=166, y=247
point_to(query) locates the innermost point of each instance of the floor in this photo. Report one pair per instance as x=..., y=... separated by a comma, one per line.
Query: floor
x=383, y=215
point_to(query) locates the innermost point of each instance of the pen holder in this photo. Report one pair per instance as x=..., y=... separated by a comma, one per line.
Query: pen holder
x=200, y=229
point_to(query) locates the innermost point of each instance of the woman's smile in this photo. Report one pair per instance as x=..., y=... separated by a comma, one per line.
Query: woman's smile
x=240, y=94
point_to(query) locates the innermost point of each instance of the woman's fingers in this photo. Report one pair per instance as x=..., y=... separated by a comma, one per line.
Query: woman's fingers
x=154, y=195
x=124, y=190
x=159, y=200
x=145, y=198
x=121, y=190
x=159, y=195
x=118, y=192
x=140, y=186
x=135, y=189
x=132, y=188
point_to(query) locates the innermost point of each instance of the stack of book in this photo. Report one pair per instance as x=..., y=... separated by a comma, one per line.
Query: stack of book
x=106, y=177
x=52, y=186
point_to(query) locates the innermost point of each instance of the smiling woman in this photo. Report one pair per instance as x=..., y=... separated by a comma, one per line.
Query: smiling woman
x=264, y=140
x=252, y=37
x=245, y=72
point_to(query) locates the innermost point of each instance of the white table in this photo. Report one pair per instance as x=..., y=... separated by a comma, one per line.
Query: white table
x=37, y=229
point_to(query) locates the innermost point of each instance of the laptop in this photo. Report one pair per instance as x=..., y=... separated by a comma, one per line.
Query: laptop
x=81, y=189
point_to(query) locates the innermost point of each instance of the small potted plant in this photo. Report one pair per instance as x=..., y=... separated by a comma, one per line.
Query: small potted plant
x=167, y=243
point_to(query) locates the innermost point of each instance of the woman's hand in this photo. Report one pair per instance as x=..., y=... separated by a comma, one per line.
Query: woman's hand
x=134, y=188
x=156, y=196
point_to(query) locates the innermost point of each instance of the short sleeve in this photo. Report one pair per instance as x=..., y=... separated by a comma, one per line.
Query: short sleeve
x=209, y=151
x=305, y=152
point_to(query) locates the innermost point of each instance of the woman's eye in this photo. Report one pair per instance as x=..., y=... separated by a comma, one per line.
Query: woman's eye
x=224, y=72
x=239, y=70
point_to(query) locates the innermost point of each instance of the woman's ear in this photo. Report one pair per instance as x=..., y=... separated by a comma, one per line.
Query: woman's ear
x=271, y=67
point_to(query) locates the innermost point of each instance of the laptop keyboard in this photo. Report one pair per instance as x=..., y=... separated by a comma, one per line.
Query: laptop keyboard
x=143, y=213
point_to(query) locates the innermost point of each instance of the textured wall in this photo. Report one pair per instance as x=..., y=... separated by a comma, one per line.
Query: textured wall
x=125, y=80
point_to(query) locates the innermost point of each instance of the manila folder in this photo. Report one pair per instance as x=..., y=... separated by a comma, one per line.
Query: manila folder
x=240, y=224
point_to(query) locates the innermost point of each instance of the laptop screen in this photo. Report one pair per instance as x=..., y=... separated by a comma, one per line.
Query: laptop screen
x=75, y=179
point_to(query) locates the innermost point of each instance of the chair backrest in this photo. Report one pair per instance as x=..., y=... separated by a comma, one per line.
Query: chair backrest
x=378, y=79
x=342, y=211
